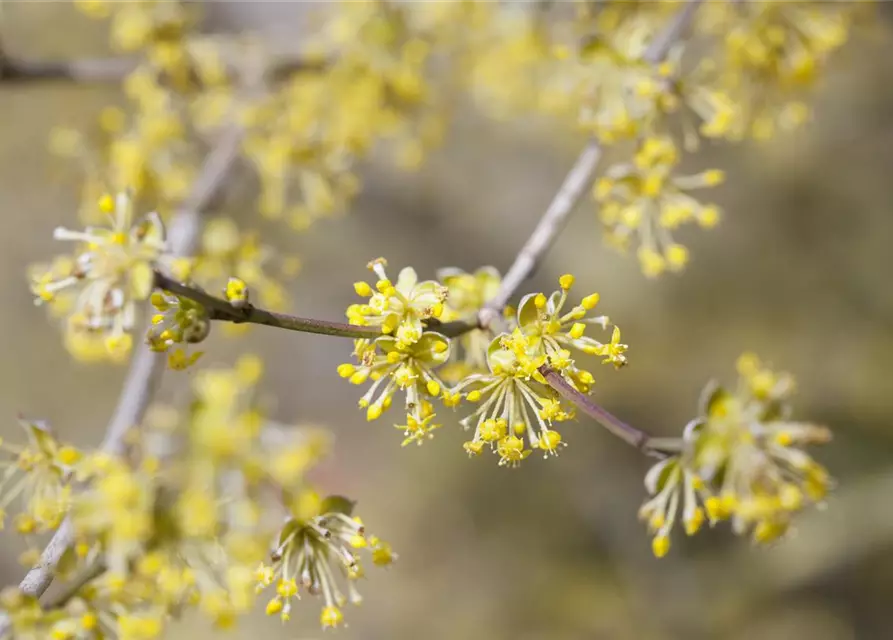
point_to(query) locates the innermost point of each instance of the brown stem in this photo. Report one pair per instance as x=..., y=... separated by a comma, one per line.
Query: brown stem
x=547, y=229
x=220, y=309
x=114, y=69
x=632, y=436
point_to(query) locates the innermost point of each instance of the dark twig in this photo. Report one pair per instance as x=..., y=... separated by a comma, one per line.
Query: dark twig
x=220, y=309
x=116, y=69
x=632, y=436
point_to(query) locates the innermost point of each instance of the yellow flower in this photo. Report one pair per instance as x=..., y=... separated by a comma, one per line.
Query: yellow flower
x=399, y=309
x=554, y=332
x=514, y=402
x=312, y=547
x=644, y=202
x=38, y=475
x=111, y=270
x=409, y=369
x=177, y=320
x=741, y=460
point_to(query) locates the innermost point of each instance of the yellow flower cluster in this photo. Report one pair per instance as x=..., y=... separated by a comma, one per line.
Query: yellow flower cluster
x=188, y=526
x=177, y=321
x=770, y=56
x=37, y=476
x=320, y=538
x=97, y=288
x=404, y=358
x=644, y=201
x=365, y=81
x=515, y=400
x=150, y=148
x=594, y=68
x=741, y=460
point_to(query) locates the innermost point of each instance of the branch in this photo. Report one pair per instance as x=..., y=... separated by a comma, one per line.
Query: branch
x=661, y=45
x=547, y=230
x=116, y=69
x=85, y=70
x=528, y=258
x=220, y=309
x=147, y=366
x=574, y=186
x=632, y=436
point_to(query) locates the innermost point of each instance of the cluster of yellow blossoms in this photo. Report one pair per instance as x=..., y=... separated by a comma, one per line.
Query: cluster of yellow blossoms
x=741, y=460
x=183, y=520
x=381, y=72
x=97, y=288
x=365, y=80
x=37, y=477
x=596, y=66
x=502, y=372
x=644, y=201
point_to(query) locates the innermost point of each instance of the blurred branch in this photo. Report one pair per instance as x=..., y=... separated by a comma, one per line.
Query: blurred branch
x=116, y=69
x=147, y=366
x=575, y=184
x=220, y=309
x=661, y=45
x=85, y=70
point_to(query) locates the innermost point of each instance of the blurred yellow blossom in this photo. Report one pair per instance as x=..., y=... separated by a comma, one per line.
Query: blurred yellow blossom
x=111, y=270
x=741, y=460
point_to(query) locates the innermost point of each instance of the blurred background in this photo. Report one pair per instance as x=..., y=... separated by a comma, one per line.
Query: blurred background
x=799, y=271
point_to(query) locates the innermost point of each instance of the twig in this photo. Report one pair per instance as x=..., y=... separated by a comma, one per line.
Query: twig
x=84, y=70
x=116, y=69
x=71, y=589
x=527, y=260
x=220, y=309
x=147, y=366
x=660, y=46
x=632, y=436
x=547, y=230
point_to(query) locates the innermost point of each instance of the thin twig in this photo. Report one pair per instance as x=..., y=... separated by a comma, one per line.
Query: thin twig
x=550, y=225
x=116, y=69
x=528, y=258
x=84, y=70
x=632, y=436
x=71, y=589
x=664, y=41
x=220, y=309
x=147, y=366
